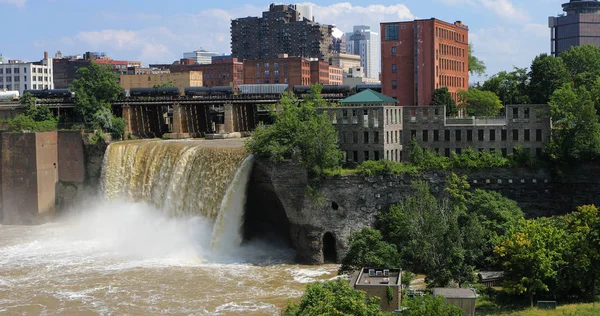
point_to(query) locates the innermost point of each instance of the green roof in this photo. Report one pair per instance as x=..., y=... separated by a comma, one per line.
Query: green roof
x=369, y=96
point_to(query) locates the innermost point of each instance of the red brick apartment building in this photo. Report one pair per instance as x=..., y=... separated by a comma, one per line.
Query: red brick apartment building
x=420, y=56
x=290, y=70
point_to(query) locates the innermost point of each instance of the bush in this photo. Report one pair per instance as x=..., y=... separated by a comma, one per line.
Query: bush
x=24, y=123
x=370, y=168
x=367, y=249
x=117, y=129
x=333, y=298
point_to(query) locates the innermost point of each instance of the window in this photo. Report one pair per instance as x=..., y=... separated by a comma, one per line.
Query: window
x=24, y=70
x=24, y=78
x=458, y=151
x=394, y=51
x=526, y=113
x=276, y=64
x=492, y=135
x=387, y=137
x=1, y=79
x=355, y=137
x=394, y=68
x=458, y=135
x=503, y=135
x=344, y=137
x=436, y=135
x=1, y=71
x=375, y=137
x=447, y=152
x=8, y=71
x=515, y=113
x=538, y=152
x=425, y=135
x=366, y=153
x=266, y=65
x=258, y=73
x=480, y=135
x=8, y=79
x=45, y=70
x=355, y=155
x=391, y=32
x=526, y=135
x=538, y=135
x=503, y=152
x=447, y=135
x=17, y=79
x=394, y=84
x=376, y=155
x=267, y=73
x=469, y=135
x=413, y=134
x=366, y=118
x=16, y=70
x=365, y=137
x=257, y=65
x=515, y=134
x=276, y=72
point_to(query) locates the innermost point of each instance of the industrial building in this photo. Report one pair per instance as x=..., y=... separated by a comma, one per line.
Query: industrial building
x=423, y=55
x=577, y=27
x=222, y=71
x=284, y=29
x=375, y=282
x=291, y=70
x=16, y=75
x=180, y=79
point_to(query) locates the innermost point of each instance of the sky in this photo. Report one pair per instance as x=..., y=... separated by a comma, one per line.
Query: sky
x=505, y=33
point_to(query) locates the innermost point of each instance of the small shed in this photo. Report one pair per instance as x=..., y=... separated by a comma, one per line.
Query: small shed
x=462, y=298
x=490, y=278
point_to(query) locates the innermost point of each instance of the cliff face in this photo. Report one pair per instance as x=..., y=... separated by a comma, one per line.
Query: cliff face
x=349, y=203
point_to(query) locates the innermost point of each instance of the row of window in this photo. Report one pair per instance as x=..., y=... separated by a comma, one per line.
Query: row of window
x=449, y=34
x=458, y=135
x=18, y=87
x=451, y=50
x=368, y=155
x=503, y=151
x=449, y=64
x=275, y=65
x=452, y=81
x=18, y=79
x=354, y=139
x=9, y=71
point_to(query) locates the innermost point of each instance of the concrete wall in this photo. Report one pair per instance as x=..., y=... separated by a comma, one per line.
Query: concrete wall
x=71, y=162
x=29, y=175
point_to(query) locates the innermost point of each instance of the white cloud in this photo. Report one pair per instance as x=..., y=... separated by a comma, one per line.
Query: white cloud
x=502, y=8
x=18, y=3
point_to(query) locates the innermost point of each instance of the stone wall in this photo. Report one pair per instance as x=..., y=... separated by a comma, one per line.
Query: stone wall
x=346, y=204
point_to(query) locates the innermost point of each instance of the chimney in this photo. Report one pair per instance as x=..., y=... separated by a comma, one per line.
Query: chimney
x=45, y=55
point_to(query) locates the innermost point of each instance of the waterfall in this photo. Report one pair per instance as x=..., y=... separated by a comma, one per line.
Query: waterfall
x=183, y=179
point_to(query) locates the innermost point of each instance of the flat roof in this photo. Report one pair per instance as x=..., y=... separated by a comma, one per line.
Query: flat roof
x=376, y=276
x=454, y=292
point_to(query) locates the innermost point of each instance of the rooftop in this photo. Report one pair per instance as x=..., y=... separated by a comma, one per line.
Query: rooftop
x=454, y=293
x=372, y=276
x=368, y=96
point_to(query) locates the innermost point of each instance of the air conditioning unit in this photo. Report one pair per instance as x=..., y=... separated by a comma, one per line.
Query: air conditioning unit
x=386, y=272
x=371, y=272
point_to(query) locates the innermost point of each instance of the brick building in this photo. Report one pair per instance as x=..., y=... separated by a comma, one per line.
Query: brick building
x=290, y=70
x=336, y=76
x=281, y=30
x=180, y=79
x=319, y=72
x=223, y=71
x=65, y=69
x=423, y=55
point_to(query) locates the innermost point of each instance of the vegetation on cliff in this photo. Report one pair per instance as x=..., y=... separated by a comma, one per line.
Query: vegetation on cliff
x=35, y=119
x=299, y=133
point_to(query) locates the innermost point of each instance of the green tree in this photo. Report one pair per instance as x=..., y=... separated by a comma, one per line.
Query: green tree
x=531, y=257
x=576, y=136
x=95, y=89
x=547, y=74
x=510, y=87
x=476, y=65
x=168, y=84
x=595, y=91
x=583, y=63
x=367, y=249
x=27, y=99
x=441, y=96
x=334, y=298
x=299, y=133
x=480, y=103
x=428, y=305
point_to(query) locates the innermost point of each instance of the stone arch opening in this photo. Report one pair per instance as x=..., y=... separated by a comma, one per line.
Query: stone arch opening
x=329, y=251
x=334, y=206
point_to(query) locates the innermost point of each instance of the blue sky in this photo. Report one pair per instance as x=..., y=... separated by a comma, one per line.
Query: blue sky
x=504, y=32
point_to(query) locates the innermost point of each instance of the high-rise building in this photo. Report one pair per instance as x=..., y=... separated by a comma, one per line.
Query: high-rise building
x=579, y=26
x=366, y=43
x=281, y=30
x=423, y=55
x=201, y=56
x=16, y=75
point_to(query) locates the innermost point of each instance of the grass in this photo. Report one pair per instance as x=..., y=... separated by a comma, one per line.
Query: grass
x=564, y=310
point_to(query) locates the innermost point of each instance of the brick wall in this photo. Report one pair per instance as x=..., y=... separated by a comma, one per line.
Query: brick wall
x=71, y=162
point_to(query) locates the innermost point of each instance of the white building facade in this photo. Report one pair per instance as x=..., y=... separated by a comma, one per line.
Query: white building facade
x=20, y=76
x=201, y=56
x=366, y=43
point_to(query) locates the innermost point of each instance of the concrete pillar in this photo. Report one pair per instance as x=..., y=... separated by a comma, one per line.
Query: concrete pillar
x=177, y=127
x=229, y=118
x=127, y=119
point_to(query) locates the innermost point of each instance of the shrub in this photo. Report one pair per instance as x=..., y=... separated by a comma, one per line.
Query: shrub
x=370, y=168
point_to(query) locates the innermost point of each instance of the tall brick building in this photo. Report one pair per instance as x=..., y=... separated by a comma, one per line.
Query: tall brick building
x=423, y=55
x=281, y=30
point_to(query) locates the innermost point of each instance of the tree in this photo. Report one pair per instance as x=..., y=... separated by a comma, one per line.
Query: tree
x=480, y=103
x=35, y=118
x=531, y=257
x=95, y=89
x=476, y=65
x=583, y=64
x=576, y=136
x=442, y=97
x=168, y=84
x=367, y=249
x=547, y=74
x=510, y=87
x=428, y=305
x=299, y=133
x=333, y=298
